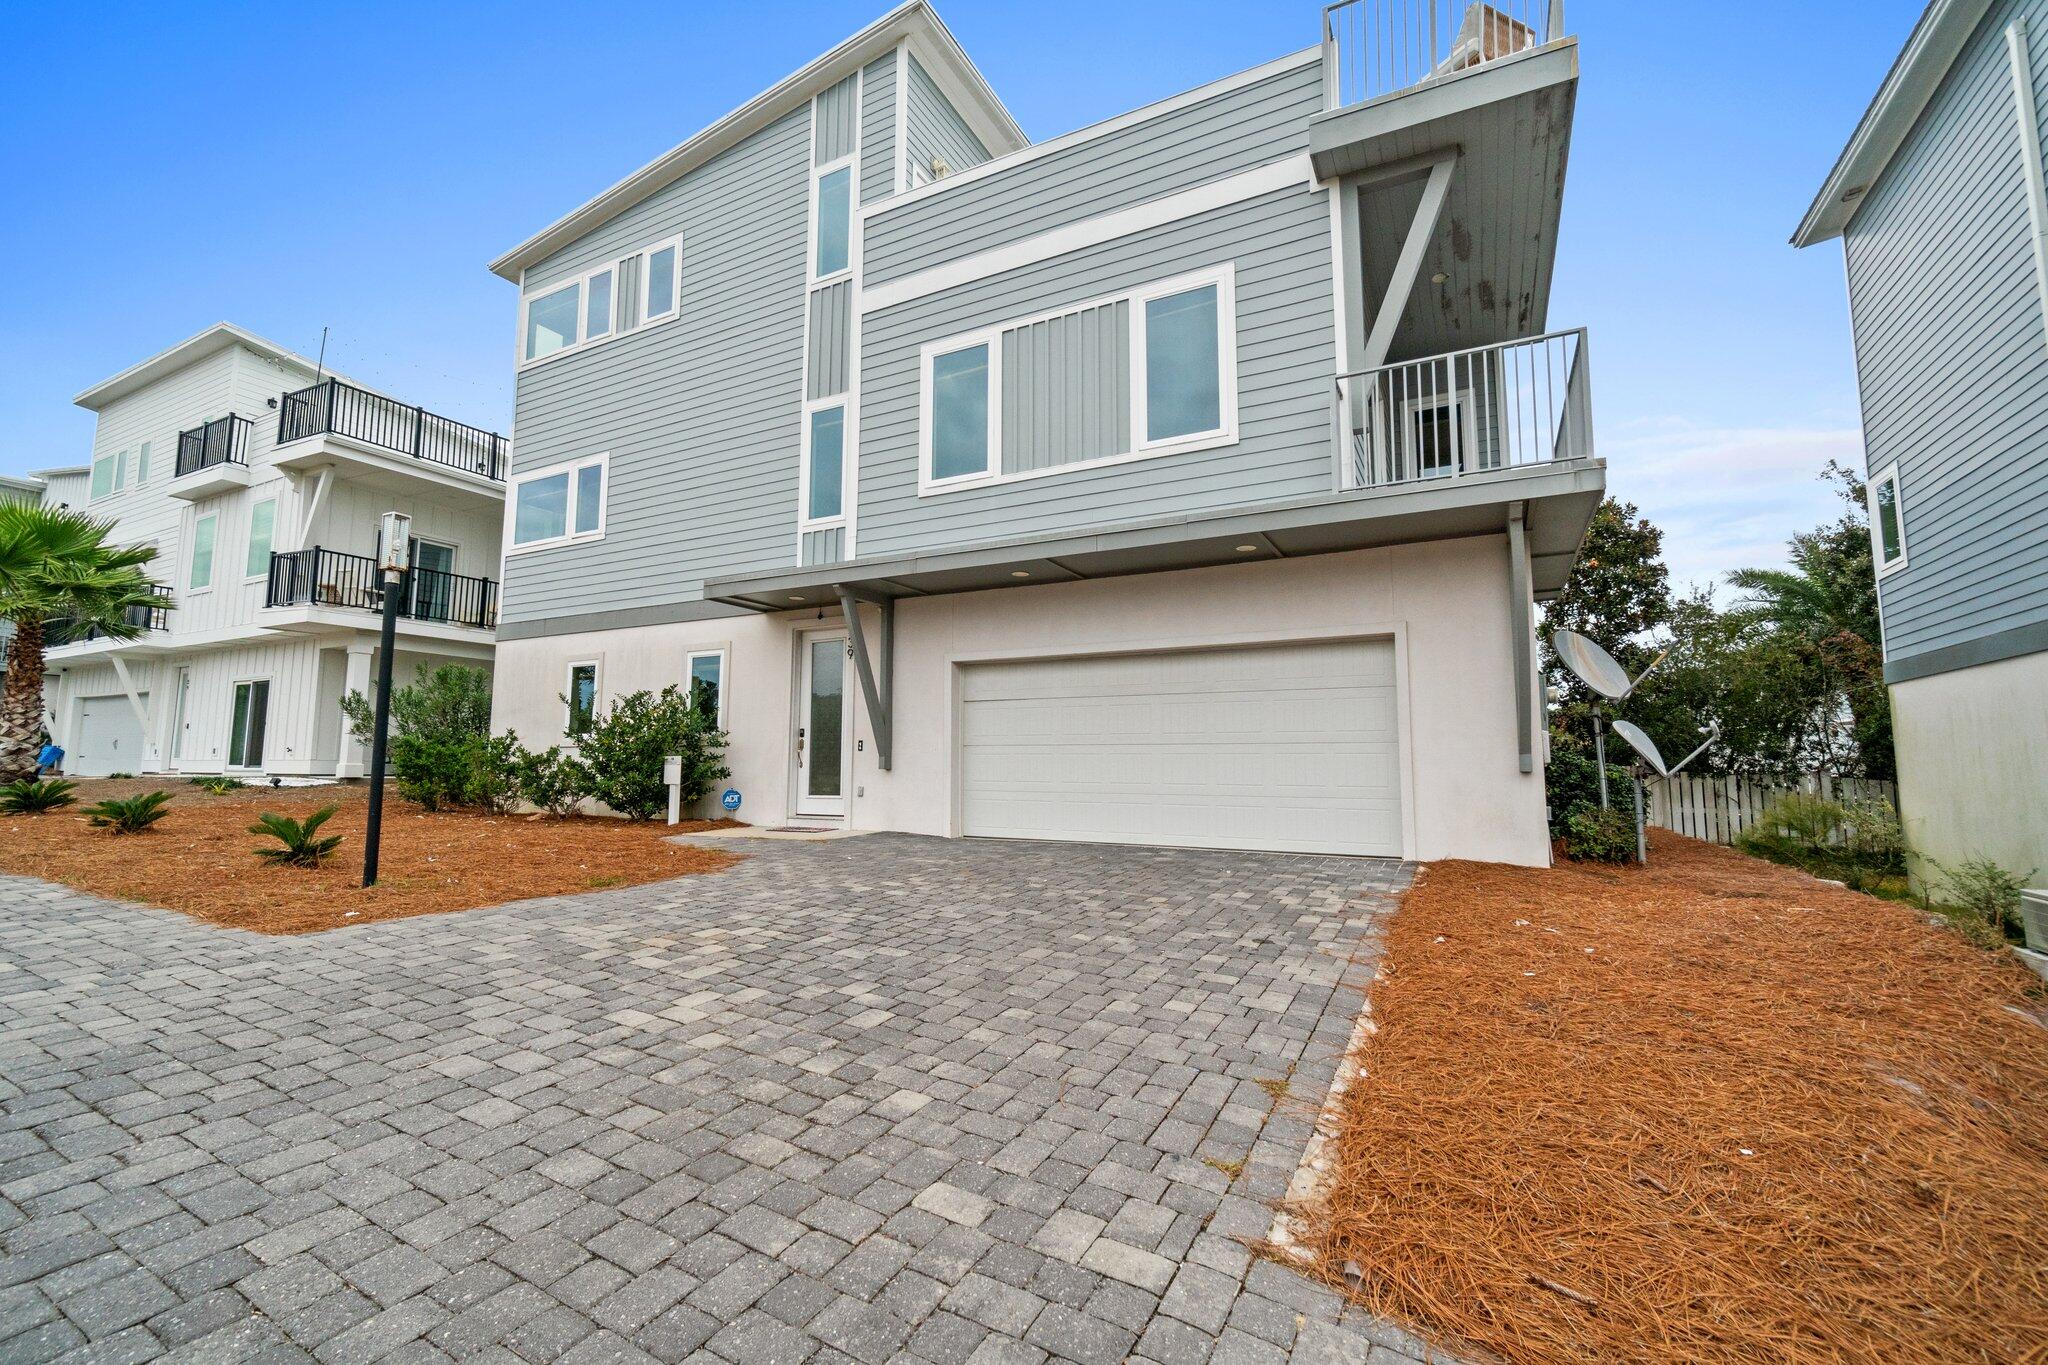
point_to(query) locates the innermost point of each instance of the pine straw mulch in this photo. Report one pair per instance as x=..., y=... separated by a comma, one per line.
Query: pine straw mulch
x=1708, y=1110
x=199, y=859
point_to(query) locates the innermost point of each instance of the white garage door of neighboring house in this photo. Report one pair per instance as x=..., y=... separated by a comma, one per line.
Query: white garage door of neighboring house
x=1291, y=748
x=109, y=738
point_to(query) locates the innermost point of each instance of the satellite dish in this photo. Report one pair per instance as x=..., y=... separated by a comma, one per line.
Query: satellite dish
x=1594, y=665
x=1642, y=744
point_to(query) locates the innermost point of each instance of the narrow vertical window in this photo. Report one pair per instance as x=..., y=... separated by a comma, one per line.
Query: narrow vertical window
x=597, y=305
x=582, y=699
x=707, y=684
x=828, y=464
x=142, y=464
x=1183, y=365
x=960, y=413
x=589, y=498
x=834, y=222
x=103, y=474
x=262, y=529
x=1887, y=521
x=661, y=283
x=201, y=576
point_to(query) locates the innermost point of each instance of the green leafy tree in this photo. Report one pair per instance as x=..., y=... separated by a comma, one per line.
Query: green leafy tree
x=624, y=751
x=59, y=575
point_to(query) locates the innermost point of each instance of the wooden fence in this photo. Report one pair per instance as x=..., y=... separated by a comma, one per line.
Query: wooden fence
x=1717, y=809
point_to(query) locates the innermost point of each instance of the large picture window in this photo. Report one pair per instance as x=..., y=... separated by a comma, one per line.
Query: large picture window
x=560, y=503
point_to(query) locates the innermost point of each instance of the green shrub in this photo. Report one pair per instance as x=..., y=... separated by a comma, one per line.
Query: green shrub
x=1858, y=843
x=303, y=845
x=219, y=786
x=30, y=797
x=128, y=815
x=114, y=777
x=1593, y=835
x=1571, y=779
x=1986, y=890
x=443, y=702
x=623, y=752
x=1806, y=820
x=492, y=781
x=552, y=781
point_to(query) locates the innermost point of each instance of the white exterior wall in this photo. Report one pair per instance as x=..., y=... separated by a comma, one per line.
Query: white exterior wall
x=1445, y=604
x=1973, y=764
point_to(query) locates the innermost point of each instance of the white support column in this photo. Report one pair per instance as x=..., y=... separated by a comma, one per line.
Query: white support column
x=2030, y=153
x=352, y=759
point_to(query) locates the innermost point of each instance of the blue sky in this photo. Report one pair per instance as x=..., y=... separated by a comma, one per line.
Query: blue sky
x=355, y=167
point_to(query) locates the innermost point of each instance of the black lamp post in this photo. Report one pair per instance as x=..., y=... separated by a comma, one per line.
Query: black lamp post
x=394, y=558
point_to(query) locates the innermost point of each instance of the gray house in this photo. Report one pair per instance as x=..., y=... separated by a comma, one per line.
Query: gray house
x=1939, y=202
x=1186, y=479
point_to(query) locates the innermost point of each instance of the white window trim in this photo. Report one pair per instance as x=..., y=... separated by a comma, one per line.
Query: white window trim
x=582, y=283
x=675, y=283
x=848, y=163
x=212, y=555
x=804, y=519
x=276, y=510
x=1224, y=277
x=570, y=534
x=596, y=667
x=228, y=749
x=1888, y=475
x=142, y=453
x=724, y=657
x=116, y=481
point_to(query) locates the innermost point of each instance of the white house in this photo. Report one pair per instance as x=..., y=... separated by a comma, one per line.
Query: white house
x=259, y=478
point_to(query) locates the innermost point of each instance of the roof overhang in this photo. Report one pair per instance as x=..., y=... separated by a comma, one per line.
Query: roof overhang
x=192, y=349
x=1916, y=74
x=1559, y=499
x=1487, y=272
x=915, y=23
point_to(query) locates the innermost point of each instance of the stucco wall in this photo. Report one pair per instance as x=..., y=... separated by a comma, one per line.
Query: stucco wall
x=1973, y=763
x=1445, y=604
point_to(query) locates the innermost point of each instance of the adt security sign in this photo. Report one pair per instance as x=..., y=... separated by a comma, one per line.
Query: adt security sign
x=731, y=799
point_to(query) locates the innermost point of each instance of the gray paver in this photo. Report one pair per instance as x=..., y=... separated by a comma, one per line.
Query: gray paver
x=883, y=1097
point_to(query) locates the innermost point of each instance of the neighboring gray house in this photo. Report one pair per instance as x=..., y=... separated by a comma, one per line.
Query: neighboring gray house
x=1939, y=202
x=1186, y=479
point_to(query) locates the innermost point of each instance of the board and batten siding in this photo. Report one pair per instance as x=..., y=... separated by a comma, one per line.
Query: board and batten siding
x=933, y=129
x=831, y=338
x=1953, y=362
x=1067, y=388
x=824, y=547
x=1235, y=130
x=1279, y=244
x=700, y=415
x=878, y=129
x=839, y=115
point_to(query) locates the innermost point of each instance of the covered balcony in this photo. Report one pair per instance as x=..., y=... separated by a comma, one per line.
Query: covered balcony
x=382, y=442
x=212, y=458
x=321, y=587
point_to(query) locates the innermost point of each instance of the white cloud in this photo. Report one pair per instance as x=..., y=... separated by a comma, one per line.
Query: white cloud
x=1726, y=497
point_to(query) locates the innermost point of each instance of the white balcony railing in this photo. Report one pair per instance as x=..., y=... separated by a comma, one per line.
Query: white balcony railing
x=1376, y=47
x=1522, y=403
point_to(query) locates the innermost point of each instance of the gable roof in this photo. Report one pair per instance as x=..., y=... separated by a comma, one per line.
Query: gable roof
x=216, y=338
x=1916, y=74
x=915, y=22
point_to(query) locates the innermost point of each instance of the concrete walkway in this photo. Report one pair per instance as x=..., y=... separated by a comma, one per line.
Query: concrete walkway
x=877, y=1099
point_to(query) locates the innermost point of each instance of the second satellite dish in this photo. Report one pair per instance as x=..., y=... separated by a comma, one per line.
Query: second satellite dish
x=1642, y=744
x=1594, y=665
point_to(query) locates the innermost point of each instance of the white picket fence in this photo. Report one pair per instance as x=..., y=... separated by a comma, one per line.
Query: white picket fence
x=1717, y=809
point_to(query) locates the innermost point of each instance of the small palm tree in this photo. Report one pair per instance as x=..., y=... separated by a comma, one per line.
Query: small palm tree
x=57, y=564
x=303, y=844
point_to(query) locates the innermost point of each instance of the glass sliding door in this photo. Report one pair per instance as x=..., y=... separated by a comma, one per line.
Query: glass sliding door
x=252, y=715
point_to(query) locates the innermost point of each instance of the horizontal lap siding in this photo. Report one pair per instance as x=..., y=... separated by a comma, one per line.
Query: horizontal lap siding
x=700, y=415
x=933, y=128
x=1235, y=131
x=1952, y=358
x=878, y=129
x=1280, y=244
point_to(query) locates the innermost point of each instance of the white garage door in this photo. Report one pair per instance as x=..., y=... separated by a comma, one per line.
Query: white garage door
x=109, y=738
x=1291, y=748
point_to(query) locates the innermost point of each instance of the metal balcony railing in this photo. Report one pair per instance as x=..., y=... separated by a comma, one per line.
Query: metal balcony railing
x=345, y=410
x=329, y=578
x=224, y=440
x=62, y=630
x=1522, y=403
x=1377, y=47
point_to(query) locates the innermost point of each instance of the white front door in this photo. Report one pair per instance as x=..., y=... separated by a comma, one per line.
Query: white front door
x=823, y=732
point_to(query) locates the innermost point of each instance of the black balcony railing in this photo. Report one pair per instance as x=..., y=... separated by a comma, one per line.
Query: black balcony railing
x=329, y=578
x=224, y=440
x=62, y=630
x=345, y=410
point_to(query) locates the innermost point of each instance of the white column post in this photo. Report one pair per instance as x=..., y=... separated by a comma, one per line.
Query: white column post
x=353, y=758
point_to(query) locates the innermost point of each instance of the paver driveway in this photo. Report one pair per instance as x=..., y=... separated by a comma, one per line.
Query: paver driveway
x=883, y=1098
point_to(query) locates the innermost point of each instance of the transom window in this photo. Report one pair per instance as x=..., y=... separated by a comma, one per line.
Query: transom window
x=1887, y=522
x=617, y=297
x=557, y=504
